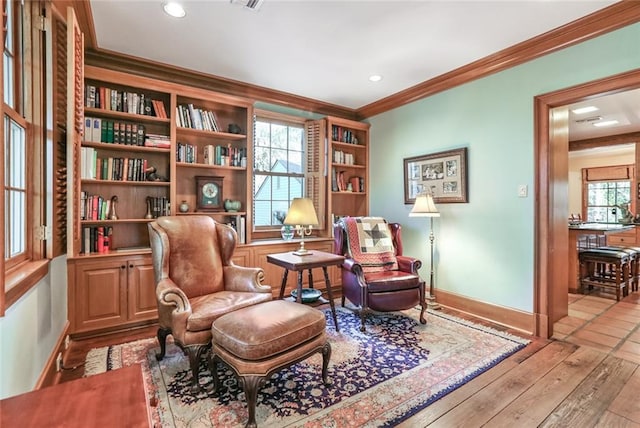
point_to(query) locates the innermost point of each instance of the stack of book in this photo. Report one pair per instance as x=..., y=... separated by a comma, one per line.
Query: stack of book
x=157, y=140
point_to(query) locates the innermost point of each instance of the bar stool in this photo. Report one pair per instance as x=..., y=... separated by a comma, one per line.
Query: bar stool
x=634, y=263
x=636, y=276
x=605, y=268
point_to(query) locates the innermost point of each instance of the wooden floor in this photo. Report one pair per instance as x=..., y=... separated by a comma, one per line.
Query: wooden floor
x=585, y=376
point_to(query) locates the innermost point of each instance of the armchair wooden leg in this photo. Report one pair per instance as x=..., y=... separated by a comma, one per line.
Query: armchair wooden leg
x=362, y=317
x=195, y=352
x=423, y=320
x=213, y=367
x=162, y=338
x=343, y=300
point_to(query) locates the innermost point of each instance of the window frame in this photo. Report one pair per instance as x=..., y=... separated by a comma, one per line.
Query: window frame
x=33, y=104
x=273, y=231
x=587, y=206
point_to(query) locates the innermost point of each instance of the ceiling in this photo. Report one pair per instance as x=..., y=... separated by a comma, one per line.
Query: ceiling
x=326, y=50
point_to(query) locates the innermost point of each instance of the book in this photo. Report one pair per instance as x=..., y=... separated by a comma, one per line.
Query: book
x=96, y=129
x=87, y=133
x=100, y=239
x=86, y=247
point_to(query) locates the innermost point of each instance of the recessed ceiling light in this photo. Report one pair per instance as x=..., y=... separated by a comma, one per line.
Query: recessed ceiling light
x=375, y=78
x=174, y=9
x=583, y=110
x=606, y=123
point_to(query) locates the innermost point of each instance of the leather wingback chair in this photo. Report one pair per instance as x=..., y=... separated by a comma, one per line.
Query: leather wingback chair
x=371, y=287
x=197, y=282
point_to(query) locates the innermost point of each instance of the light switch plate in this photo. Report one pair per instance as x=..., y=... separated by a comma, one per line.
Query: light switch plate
x=522, y=191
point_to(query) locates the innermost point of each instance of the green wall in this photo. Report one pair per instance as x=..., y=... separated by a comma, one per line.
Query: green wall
x=485, y=248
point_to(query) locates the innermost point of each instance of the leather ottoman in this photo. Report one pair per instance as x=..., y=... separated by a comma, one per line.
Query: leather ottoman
x=259, y=340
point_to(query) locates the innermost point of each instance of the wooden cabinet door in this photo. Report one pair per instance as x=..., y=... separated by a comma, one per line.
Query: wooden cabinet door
x=101, y=294
x=142, y=303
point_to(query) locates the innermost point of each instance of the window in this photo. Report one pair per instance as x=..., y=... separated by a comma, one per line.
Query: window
x=26, y=107
x=15, y=193
x=605, y=198
x=278, y=169
x=15, y=142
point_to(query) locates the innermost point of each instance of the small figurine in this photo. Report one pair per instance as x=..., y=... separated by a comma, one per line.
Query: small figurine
x=150, y=175
x=113, y=215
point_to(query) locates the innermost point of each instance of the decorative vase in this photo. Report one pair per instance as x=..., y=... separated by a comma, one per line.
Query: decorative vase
x=183, y=207
x=149, y=215
x=232, y=206
x=287, y=232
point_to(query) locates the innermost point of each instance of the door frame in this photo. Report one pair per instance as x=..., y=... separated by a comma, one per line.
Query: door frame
x=550, y=217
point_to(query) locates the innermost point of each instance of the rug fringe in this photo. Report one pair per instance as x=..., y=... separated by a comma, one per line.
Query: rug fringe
x=96, y=361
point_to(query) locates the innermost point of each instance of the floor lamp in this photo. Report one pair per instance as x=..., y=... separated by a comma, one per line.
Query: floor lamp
x=425, y=207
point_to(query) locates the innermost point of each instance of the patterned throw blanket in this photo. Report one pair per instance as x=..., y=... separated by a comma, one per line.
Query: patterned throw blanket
x=370, y=243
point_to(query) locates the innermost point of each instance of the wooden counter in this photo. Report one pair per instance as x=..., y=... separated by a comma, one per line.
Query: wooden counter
x=616, y=234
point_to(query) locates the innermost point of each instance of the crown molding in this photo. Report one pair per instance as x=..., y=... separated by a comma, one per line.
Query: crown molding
x=611, y=18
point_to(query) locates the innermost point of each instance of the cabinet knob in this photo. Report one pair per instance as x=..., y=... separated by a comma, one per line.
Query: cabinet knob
x=131, y=266
x=123, y=267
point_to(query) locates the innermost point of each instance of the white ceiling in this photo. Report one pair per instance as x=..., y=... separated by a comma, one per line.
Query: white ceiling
x=326, y=50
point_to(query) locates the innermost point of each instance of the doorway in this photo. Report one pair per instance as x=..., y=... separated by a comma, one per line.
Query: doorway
x=551, y=165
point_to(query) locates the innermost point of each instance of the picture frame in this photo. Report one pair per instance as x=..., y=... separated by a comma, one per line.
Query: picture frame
x=444, y=174
x=209, y=193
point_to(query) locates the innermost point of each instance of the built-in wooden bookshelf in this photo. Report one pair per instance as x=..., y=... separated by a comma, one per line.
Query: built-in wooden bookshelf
x=348, y=167
x=213, y=135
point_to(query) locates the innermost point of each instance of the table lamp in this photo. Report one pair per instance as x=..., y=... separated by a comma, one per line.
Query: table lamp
x=425, y=207
x=303, y=216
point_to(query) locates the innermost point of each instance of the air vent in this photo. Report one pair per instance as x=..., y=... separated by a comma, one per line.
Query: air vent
x=249, y=4
x=589, y=119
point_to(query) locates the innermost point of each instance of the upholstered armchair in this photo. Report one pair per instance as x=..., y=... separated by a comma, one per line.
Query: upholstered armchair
x=375, y=274
x=197, y=282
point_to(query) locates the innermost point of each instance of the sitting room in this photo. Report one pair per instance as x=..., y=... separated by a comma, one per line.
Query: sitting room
x=229, y=214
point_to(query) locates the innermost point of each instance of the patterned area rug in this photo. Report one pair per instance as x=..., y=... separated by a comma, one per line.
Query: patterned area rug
x=379, y=378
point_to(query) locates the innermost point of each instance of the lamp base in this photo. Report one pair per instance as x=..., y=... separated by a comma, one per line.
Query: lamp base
x=432, y=304
x=302, y=252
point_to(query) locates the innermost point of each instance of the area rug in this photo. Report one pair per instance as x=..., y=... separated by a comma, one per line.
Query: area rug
x=379, y=377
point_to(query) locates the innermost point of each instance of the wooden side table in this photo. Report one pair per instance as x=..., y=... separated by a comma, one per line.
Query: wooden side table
x=317, y=259
x=113, y=398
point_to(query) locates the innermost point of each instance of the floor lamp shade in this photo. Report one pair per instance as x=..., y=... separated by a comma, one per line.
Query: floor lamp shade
x=424, y=207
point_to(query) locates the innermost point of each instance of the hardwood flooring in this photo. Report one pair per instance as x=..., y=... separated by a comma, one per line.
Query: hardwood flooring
x=587, y=375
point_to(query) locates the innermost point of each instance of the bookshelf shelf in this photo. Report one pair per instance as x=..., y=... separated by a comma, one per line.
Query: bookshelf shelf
x=210, y=134
x=207, y=166
x=125, y=147
x=131, y=117
x=348, y=165
x=339, y=144
x=126, y=183
x=119, y=221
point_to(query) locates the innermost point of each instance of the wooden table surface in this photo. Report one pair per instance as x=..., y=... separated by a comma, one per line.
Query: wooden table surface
x=115, y=398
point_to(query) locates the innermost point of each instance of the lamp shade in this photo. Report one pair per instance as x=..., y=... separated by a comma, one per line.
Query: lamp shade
x=424, y=207
x=301, y=212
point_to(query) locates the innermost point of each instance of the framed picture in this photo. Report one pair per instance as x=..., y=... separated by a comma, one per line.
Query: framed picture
x=209, y=193
x=444, y=174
